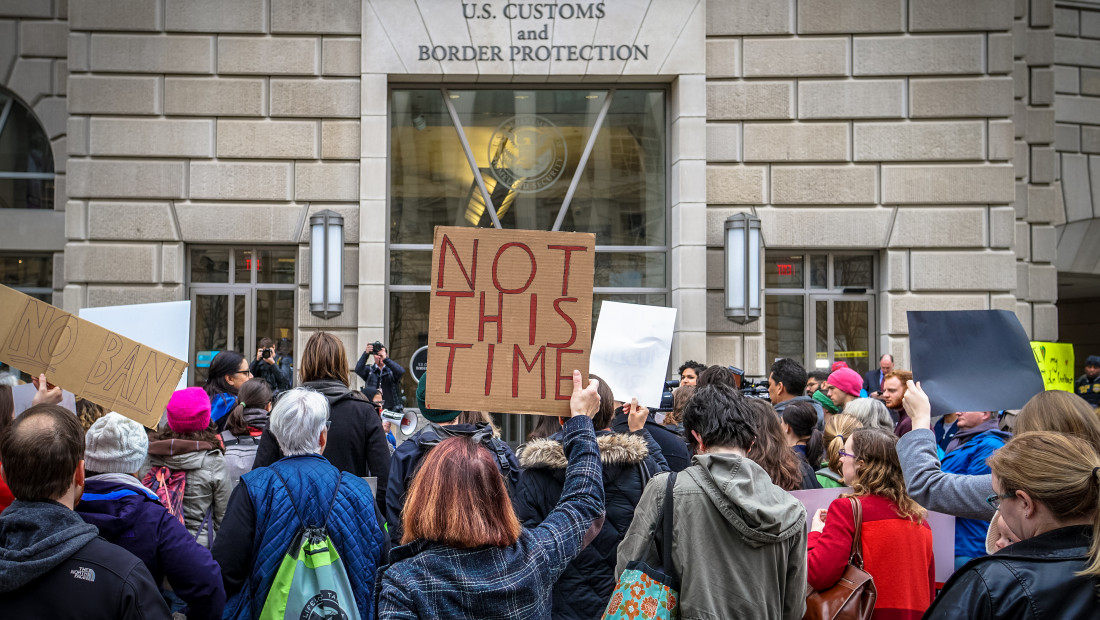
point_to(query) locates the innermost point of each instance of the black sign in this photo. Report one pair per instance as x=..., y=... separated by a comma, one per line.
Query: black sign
x=972, y=360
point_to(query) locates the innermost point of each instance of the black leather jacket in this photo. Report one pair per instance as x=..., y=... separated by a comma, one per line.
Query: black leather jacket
x=1033, y=578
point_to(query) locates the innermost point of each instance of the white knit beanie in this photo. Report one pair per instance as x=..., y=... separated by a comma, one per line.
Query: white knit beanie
x=115, y=444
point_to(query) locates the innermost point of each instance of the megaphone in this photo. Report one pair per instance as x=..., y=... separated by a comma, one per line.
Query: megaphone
x=406, y=422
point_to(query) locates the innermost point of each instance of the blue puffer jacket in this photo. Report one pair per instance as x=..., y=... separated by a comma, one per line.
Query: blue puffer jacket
x=262, y=521
x=969, y=459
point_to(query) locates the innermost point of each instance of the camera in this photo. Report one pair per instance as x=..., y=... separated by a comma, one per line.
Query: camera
x=376, y=347
x=266, y=354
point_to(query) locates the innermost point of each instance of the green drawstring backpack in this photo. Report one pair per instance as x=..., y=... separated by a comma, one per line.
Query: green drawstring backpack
x=311, y=582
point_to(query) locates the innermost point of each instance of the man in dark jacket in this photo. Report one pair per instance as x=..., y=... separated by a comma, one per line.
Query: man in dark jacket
x=271, y=367
x=673, y=448
x=407, y=456
x=976, y=440
x=1087, y=385
x=628, y=461
x=52, y=564
x=381, y=373
x=130, y=516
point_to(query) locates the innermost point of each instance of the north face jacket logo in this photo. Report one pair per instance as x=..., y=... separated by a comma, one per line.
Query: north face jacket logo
x=84, y=573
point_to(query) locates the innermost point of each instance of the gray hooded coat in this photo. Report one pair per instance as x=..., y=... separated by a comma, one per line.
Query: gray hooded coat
x=739, y=541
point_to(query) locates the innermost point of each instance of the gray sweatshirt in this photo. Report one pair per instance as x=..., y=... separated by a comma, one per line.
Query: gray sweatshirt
x=958, y=495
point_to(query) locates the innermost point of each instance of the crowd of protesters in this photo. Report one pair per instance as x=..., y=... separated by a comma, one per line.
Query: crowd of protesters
x=104, y=519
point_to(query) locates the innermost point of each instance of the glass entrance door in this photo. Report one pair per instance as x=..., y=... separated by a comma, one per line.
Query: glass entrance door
x=238, y=297
x=842, y=331
x=223, y=322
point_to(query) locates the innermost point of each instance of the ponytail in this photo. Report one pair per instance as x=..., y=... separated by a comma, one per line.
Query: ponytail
x=254, y=394
x=801, y=416
x=815, y=448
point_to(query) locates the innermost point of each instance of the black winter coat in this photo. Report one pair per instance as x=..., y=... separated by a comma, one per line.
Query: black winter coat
x=356, y=441
x=585, y=587
x=673, y=447
x=1031, y=579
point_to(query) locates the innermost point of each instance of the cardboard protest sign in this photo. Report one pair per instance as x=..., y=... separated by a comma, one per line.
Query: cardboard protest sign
x=162, y=326
x=631, y=348
x=86, y=359
x=1055, y=360
x=510, y=318
x=943, y=527
x=972, y=360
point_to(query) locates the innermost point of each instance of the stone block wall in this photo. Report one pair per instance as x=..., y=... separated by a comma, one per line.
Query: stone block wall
x=1077, y=134
x=1037, y=191
x=33, y=65
x=877, y=125
x=207, y=122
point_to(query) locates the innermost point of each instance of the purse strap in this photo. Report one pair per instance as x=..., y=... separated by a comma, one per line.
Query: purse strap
x=666, y=525
x=855, y=558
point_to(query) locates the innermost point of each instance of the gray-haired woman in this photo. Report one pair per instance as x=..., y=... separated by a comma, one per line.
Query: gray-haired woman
x=272, y=503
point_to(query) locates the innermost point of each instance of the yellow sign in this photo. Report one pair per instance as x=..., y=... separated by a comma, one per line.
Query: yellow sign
x=1055, y=360
x=821, y=355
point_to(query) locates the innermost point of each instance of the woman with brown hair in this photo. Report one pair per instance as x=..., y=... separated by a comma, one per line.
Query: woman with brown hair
x=770, y=450
x=837, y=430
x=1047, y=489
x=896, y=540
x=464, y=552
x=675, y=418
x=358, y=443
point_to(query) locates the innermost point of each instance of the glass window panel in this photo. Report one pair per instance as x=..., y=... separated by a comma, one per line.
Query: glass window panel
x=783, y=271
x=275, y=266
x=408, y=332
x=819, y=271
x=210, y=265
x=211, y=330
x=411, y=267
x=853, y=272
x=242, y=266
x=851, y=334
x=630, y=270
x=26, y=193
x=239, y=323
x=821, y=332
x=275, y=320
x=24, y=148
x=20, y=272
x=785, y=318
x=431, y=183
x=621, y=196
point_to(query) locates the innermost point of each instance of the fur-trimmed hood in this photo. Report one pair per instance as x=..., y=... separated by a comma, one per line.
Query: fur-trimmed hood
x=615, y=449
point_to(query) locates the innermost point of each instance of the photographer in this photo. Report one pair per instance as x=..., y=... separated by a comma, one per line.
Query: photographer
x=270, y=367
x=383, y=374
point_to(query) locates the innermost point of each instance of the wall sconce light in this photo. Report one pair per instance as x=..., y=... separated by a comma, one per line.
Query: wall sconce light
x=742, y=267
x=326, y=262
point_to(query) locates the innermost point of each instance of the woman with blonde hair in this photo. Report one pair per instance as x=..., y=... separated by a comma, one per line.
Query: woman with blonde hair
x=1047, y=488
x=837, y=430
x=896, y=539
x=357, y=442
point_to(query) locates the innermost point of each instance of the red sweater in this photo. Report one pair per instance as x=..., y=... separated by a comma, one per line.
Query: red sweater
x=896, y=552
x=6, y=498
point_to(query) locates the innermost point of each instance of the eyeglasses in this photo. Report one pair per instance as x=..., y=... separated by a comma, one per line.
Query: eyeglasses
x=847, y=454
x=242, y=372
x=994, y=500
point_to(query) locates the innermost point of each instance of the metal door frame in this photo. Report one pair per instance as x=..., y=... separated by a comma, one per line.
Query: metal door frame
x=811, y=323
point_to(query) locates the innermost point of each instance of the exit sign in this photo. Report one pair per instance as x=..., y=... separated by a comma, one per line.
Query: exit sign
x=786, y=269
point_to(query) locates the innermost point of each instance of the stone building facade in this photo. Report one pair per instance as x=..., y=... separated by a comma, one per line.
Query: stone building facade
x=899, y=154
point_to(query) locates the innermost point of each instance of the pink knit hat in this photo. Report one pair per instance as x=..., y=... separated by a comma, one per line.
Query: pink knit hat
x=189, y=410
x=847, y=380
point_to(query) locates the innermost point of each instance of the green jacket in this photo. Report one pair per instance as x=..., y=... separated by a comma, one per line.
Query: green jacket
x=739, y=541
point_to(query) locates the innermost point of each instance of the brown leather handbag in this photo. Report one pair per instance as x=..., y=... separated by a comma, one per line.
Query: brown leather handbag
x=853, y=597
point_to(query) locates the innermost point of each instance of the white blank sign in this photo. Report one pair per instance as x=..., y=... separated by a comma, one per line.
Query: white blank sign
x=630, y=350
